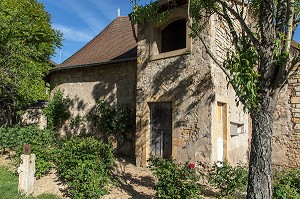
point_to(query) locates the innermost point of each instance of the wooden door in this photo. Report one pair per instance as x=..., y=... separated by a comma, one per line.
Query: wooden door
x=161, y=129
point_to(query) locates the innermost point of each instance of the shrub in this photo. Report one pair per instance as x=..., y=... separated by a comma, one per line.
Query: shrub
x=41, y=142
x=227, y=178
x=57, y=111
x=175, y=180
x=112, y=121
x=85, y=164
x=286, y=184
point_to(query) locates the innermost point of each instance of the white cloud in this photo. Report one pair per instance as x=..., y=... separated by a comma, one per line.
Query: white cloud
x=73, y=35
x=82, y=10
x=85, y=14
x=107, y=7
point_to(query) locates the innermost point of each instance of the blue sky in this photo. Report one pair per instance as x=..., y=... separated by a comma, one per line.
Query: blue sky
x=81, y=20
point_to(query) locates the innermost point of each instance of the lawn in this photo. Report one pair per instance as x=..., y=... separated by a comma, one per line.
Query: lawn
x=9, y=187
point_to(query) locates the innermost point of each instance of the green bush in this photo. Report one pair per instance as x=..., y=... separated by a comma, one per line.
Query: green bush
x=86, y=165
x=57, y=111
x=112, y=121
x=286, y=184
x=41, y=142
x=175, y=180
x=228, y=179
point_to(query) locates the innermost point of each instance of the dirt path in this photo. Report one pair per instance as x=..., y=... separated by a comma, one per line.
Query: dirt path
x=136, y=182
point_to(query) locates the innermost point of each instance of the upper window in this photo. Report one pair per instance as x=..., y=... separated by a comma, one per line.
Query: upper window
x=173, y=36
x=170, y=40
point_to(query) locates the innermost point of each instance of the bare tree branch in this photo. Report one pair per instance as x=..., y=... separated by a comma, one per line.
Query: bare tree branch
x=282, y=68
x=243, y=24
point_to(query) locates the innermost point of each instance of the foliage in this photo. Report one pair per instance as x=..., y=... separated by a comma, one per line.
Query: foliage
x=149, y=13
x=57, y=111
x=9, y=187
x=41, y=142
x=27, y=41
x=85, y=164
x=175, y=180
x=241, y=64
x=227, y=178
x=75, y=122
x=112, y=121
x=287, y=184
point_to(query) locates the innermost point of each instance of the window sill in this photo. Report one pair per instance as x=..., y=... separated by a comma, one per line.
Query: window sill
x=170, y=54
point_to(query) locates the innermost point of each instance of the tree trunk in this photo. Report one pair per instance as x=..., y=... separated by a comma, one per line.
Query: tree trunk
x=260, y=164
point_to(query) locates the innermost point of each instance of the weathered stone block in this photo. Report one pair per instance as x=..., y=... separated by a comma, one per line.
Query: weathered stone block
x=295, y=110
x=292, y=81
x=296, y=114
x=178, y=142
x=295, y=100
x=296, y=120
x=297, y=127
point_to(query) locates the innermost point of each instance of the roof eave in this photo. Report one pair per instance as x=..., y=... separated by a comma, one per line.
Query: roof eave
x=60, y=68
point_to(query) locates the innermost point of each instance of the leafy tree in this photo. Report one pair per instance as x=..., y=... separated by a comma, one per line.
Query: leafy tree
x=257, y=66
x=27, y=41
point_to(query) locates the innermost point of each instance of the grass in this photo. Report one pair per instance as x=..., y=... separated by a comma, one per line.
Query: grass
x=9, y=187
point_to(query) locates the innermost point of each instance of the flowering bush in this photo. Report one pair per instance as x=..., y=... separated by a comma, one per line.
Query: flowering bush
x=228, y=179
x=175, y=180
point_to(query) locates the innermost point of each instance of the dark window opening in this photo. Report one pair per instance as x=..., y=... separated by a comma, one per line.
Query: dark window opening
x=173, y=37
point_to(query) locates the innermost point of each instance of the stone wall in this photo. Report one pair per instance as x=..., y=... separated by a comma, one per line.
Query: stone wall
x=115, y=83
x=185, y=81
x=286, y=133
x=237, y=145
x=34, y=116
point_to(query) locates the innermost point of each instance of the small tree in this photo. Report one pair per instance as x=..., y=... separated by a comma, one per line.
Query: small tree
x=257, y=66
x=57, y=111
x=27, y=41
x=112, y=121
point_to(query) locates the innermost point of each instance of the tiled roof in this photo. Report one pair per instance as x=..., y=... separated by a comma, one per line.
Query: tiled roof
x=115, y=42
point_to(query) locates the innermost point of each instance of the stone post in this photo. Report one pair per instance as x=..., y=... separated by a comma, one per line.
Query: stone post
x=26, y=173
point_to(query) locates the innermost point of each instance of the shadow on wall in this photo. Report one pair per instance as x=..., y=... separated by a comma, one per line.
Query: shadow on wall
x=189, y=87
x=77, y=124
x=115, y=83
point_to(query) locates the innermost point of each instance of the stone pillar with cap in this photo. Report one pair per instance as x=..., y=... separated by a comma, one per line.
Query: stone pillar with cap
x=26, y=171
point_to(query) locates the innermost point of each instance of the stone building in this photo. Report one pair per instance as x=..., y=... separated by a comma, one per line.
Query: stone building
x=286, y=132
x=184, y=108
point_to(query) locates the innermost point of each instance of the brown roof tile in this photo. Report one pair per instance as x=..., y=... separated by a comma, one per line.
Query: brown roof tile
x=115, y=42
x=295, y=44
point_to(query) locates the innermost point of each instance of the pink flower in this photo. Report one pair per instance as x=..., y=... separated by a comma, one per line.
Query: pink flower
x=191, y=166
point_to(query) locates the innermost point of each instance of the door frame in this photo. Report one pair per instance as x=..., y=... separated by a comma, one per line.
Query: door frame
x=226, y=128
